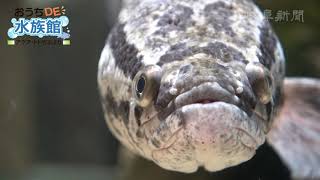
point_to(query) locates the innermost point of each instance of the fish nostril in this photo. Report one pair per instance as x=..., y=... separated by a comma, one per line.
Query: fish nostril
x=164, y=96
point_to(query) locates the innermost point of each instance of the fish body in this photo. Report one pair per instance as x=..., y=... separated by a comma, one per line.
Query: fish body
x=192, y=83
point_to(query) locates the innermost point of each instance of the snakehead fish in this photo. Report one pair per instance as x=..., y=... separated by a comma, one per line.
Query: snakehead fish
x=201, y=83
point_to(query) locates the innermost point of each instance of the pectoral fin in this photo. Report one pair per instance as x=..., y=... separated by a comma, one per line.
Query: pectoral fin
x=295, y=133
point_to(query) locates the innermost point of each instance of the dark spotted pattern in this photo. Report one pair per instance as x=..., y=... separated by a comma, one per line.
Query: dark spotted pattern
x=137, y=113
x=218, y=15
x=126, y=55
x=185, y=69
x=269, y=109
x=177, y=18
x=120, y=109
x=267, y=46
x=164, y=96
x=277, y=97
x=248, y=99
x=165, y=111
x=155, y=142
x=217, y=50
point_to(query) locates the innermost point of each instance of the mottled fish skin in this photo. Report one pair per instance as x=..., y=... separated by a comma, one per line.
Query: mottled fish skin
x=207, y=49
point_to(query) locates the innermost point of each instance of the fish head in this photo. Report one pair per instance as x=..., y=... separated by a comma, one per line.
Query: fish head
x=200, y=112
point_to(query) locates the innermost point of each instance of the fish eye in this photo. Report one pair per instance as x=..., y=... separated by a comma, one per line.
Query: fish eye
x=146, y=84
x=260, y=81
x=140, y=86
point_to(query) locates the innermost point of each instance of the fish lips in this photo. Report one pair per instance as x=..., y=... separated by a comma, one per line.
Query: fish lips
x=206, y=93
x=214, y=132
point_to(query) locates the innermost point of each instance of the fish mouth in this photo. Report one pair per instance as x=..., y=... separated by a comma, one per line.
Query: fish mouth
x=206, y=93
